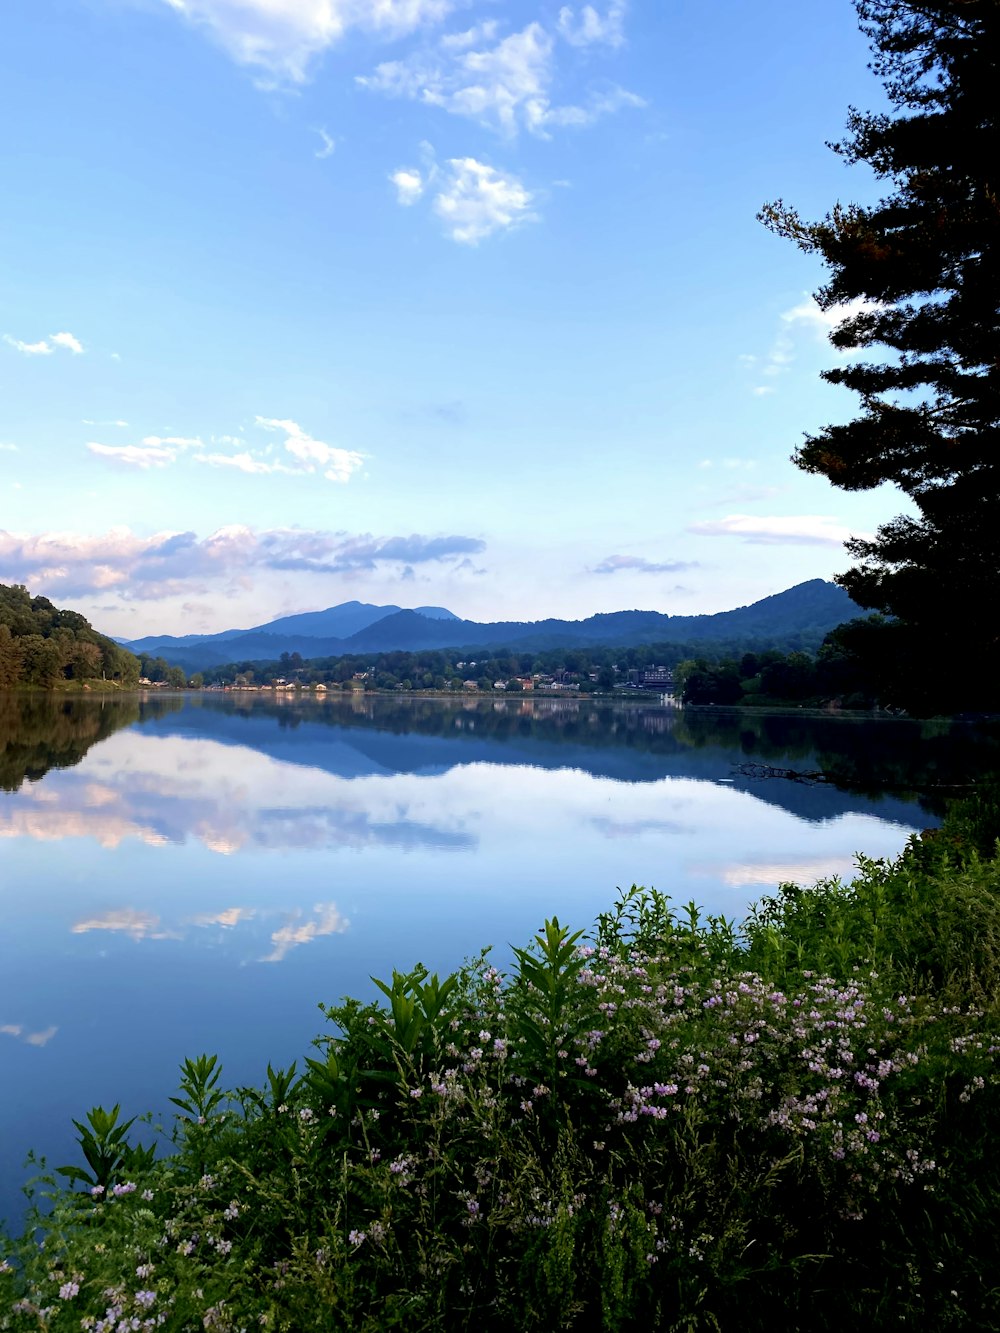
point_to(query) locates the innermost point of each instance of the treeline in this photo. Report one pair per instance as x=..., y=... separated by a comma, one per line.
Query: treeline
x=450, y=668
x=43, y=646
x=866, y=663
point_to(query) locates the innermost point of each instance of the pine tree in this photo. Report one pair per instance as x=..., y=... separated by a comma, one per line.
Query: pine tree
x=918, y=277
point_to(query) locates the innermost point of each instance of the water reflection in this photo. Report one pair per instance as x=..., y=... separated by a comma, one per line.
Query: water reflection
x=190, y=875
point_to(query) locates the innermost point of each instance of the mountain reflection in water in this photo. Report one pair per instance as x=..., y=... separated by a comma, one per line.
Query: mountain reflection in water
x=191, y=874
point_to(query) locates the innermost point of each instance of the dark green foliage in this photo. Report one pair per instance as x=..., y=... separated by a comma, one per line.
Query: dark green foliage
x=922, y=267
x=107, y=1151
x=448, y=669
x=866, y=663
x=43, y=646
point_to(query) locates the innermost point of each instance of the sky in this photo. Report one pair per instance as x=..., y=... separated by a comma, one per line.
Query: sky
x=447, y=302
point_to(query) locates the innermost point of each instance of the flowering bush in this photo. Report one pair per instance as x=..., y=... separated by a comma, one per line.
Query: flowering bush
x=658, y=1126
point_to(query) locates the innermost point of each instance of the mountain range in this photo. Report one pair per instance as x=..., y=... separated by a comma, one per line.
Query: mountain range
x=813, y=607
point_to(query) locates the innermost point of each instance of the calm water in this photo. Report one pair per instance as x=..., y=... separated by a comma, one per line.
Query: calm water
x=187, y=875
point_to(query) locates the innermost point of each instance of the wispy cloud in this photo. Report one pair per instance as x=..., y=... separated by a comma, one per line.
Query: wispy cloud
x=41, y=1038
x=329, y=143
x=637, y=564
x=588, y=27
x=280, y=39
x=326, y=919
x=311, y=455
x=808, y=319
x=504, y=83
x=227, y=918
x=821, y=323
x=728, y=464
x=472, y=199
x=129, y=921
x=303, y=455
x=46, y=346
x=153, y=452
x=476, y=200
x=744, y=494
x=409, y=183
x=18, y=1031
x=67, y=340
x=168, y=563
x=786, y=530
x=804, y=870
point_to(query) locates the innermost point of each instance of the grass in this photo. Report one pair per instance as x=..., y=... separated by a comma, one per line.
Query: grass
x=665, y=1123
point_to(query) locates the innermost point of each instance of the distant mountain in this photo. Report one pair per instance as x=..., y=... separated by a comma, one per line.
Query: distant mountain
x=336, y=622
x=356, y=627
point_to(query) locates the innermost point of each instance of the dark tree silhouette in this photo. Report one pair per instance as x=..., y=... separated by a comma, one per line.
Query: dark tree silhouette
x=918, y=277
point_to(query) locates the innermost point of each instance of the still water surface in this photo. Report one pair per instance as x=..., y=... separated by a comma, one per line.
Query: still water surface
x=187, y=875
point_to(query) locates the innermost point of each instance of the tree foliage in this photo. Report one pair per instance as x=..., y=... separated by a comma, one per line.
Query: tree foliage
x=41, y=645
x=917, y=275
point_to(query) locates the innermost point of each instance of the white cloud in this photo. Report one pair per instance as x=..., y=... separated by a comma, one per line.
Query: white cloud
x=46, y=346
x=409, y=185
x=179, y=442
x=476, y=201
x=306, y=456
x=129, y=921
x=807, y=318
x=133, y=455
x=227, y=918
x=155, y=451
x=803, y=870
x=326, y=920
x=281, y=38
x=244, y=462
x=168, y=563
x=503, y=84
x=473, y=200
x=41, y=1038
x=32, y=1038
x=67, y=340
x=807, y=314
x=479, y=32
x=311, y=455
x=41, y=348
x=590, y=28
x=329, y=143
x=793, y=529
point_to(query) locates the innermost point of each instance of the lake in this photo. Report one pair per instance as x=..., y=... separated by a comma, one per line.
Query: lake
x=189, y=874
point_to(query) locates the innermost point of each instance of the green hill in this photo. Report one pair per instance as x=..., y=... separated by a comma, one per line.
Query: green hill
x=43, y=646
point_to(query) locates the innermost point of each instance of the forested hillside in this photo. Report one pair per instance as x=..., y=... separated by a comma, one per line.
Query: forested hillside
x=41, y=645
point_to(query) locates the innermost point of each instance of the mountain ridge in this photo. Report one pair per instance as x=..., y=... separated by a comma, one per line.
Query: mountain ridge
x=814, y=605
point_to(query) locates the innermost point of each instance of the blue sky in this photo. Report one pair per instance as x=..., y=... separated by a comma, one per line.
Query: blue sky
x=459, y=302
